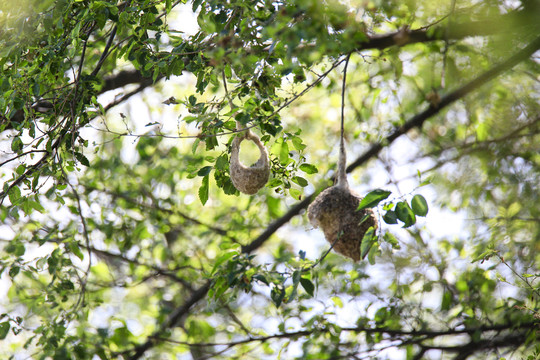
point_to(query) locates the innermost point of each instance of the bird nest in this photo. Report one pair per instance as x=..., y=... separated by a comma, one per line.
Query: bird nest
x=249, y=179
x=335, y=212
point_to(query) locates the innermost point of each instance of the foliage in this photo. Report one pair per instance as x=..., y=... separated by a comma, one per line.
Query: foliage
x=123, y=236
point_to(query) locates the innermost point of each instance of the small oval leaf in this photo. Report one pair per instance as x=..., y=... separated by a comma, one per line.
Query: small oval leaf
x=390, y=217
x=419, y=205
x=4, y=329
x=204, y=171
x=405, y=214
x=82, y=159
x=309, y=169
x=300, y=181
x=203, y=190
x=367, y=242
x=295, y=193
x=307, y=285
x=284, y=153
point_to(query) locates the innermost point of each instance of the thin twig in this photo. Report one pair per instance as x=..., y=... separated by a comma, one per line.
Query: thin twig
x=86, y=240
x=21, y=155
x=323, y=255
x=105, y=52
x=536, y=291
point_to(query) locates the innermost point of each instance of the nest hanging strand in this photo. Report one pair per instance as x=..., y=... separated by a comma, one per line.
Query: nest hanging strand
x=247, y=180
x=335, y=209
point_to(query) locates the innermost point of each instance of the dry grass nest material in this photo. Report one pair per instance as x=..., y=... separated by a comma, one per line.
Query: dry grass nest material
x=249, y=179
x=335, y=212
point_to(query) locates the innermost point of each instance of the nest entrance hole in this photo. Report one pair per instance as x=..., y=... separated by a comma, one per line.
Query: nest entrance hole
x=248, y=153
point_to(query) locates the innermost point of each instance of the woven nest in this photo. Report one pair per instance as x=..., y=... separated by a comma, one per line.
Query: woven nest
x=335, y=212
x=249, y=179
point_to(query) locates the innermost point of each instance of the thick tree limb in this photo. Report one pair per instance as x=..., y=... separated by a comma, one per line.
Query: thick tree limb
x=524, y=20
x=124, y=78
x=415, y=122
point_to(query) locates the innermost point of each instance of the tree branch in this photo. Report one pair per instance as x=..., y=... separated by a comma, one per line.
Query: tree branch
x=508, y=23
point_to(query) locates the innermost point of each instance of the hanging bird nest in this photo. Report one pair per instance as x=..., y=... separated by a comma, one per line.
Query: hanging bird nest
x=335, y=212
x=249, y=179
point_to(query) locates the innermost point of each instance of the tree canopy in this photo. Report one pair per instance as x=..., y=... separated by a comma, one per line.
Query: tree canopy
x=122, y=235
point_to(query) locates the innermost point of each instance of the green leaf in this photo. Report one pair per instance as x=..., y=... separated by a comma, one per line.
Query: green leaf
x=4, y=329
x=196, y=4
x=14, y=271
x=427, y=181
x=366, y=216
x=284, y=153
x=16, y=248
x=222, y=162
x=74, y=248
x=14, y=194
x=405, y=214
x=367, y=242
x=419, y=205
x=297, y=143
x=373, y=198
x=228, y=71
x=337, y=301
x=307, y=285
x=446, y=301
x=228, y=187
x=16, y=144
x=274, y=182
x=392, y=240
x=203, y=190
x=261, y=278
x=277, y=294
x=20, y=169
x=309, y=169
x=220, y=260
x=82, y=159
x=390, y=217
x=300, y=181
x=295, y=193
x=204, y=171
x=486, y=255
